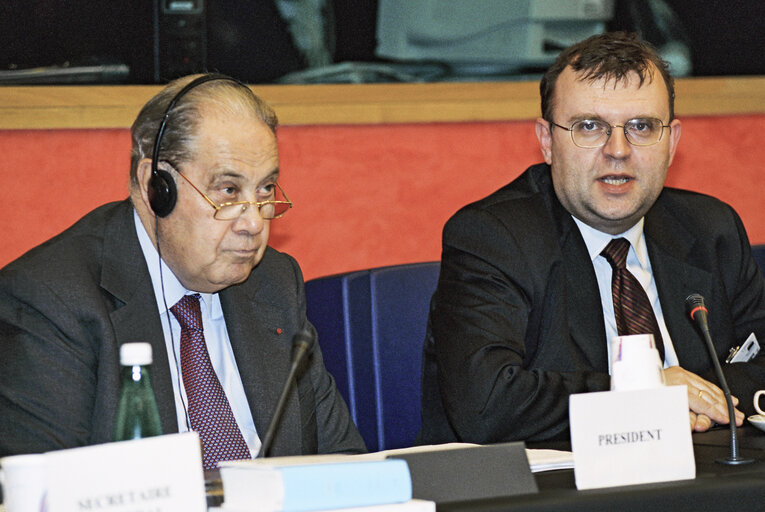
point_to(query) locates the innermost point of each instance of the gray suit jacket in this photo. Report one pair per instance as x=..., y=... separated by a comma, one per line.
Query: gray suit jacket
x=516, y=323
x=67, y=305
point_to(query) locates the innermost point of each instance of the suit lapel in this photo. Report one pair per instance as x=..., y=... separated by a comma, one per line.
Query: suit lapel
x=586, y=325
x=585, y=311
x=135, y=318
x=670, y=247
x=258, y=333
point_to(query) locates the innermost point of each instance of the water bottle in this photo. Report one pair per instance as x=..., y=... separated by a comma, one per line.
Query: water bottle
x=137, y=413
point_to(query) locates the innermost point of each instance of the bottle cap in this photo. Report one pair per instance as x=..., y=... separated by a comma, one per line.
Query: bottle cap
x=135, y=353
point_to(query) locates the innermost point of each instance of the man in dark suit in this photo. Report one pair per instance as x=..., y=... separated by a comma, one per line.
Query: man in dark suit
x=524, y=311
x=195, y=228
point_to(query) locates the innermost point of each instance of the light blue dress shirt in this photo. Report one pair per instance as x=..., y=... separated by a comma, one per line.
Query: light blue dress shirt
x=640, y=265
x=216, y=338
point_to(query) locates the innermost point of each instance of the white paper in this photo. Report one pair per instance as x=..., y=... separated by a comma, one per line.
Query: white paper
x=413, y=505
x=549, y=460
x=631, y=437
x=155, y=474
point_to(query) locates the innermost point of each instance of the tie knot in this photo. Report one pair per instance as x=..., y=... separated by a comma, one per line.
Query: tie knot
x=616, y=252
x=187, y=312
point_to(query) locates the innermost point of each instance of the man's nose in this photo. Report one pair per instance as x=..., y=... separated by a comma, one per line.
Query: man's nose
x=617, y=145
x=250, y=220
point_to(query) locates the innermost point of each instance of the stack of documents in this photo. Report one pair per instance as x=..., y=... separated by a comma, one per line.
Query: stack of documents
x=372, y=482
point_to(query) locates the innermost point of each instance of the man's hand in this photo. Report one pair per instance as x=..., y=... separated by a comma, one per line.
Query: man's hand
x=699, y=422
x=706, y=401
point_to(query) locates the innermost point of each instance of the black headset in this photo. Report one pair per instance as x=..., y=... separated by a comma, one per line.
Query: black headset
x=162, y=190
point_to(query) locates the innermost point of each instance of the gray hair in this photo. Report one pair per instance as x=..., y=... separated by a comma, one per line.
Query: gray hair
x=177, y=144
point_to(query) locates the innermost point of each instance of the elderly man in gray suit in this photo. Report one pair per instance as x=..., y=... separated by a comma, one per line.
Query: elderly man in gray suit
x=190, y=243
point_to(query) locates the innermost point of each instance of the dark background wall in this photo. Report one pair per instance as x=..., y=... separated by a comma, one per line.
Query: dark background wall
x=726, y=36
x=248, y=39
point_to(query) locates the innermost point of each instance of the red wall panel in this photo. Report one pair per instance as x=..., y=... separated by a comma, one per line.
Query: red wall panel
x=365, y=195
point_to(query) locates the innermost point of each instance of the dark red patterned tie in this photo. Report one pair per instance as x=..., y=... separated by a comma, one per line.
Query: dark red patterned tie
x=633, y=311
x=209, y=411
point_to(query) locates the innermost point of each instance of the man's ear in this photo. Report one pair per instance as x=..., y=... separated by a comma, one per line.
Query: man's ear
x=143, y=176
x=544, y=136
x=674, y=135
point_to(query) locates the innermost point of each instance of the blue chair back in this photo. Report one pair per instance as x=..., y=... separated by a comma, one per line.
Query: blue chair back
x=371, y=326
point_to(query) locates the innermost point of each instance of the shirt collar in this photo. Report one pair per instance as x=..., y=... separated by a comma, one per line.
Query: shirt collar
x=173, y=289
x=596, y=240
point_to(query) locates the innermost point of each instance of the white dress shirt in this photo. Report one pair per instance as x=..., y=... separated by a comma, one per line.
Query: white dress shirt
x=216, y=338
x=639, y=265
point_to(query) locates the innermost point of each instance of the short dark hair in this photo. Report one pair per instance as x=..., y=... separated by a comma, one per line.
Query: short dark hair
x=178, y=139
x=612, y=56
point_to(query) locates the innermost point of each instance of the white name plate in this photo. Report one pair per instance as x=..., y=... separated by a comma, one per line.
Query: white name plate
x=631, y=437
x=155, y=474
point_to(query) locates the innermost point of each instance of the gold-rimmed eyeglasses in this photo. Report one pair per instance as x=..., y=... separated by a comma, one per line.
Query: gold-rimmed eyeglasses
x=594, y=133
x=269, y=210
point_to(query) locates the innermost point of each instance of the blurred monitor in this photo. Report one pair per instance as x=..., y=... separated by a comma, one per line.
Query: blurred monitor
x=140, y=42
x=486, y=36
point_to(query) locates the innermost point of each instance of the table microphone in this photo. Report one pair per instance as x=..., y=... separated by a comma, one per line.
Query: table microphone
x=698, y=311
x=302, y=345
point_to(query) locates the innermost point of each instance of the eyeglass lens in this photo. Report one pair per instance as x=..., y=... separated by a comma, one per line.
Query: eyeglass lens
x=268, y=210
x=595, y=133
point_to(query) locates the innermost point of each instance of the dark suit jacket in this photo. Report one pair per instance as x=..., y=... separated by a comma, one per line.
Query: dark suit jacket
x=67, y=306
x=516, y=323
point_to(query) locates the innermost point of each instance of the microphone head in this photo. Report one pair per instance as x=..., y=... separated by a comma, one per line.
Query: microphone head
x=303, y=340
x=693, y=303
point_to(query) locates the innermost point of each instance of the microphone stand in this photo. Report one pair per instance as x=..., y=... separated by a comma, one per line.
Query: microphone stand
x=302, y=345
x=696, y=302
x=734, y=458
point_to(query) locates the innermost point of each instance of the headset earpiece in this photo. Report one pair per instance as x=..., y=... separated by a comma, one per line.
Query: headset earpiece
x=162, y=190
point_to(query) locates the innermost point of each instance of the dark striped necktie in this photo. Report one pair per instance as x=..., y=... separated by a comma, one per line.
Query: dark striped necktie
x=209, y=410
x=632, y=309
